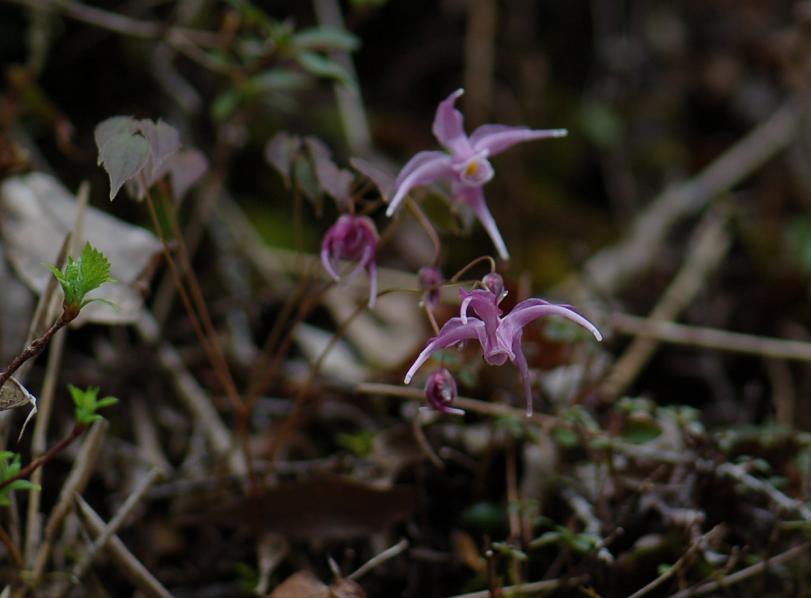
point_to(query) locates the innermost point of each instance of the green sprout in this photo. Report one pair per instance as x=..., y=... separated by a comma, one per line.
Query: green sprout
x=10, y=467
x=81, y=276
x=87, y=403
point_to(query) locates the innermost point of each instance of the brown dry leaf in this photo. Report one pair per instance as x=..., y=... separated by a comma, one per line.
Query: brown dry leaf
x=306, y=585
x=327, y=508
x=37, y=212
x=301, y=585
x=346, y=588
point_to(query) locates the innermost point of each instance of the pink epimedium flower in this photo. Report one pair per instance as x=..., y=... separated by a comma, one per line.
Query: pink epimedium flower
x=466, y=162
x=352, y=238
x=499, y=336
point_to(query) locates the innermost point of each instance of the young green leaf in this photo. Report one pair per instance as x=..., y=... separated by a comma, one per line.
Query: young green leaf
x=81, y=276
x=87, y=403
x=10, y=467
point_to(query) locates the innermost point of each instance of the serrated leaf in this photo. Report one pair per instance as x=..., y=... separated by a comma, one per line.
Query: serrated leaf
x=326, y=38
x=92, y=270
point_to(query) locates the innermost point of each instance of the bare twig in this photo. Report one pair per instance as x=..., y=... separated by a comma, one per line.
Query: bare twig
x=112, y=528
x=711, y=338
x=379, y=559
x=43, y=459
x=707, y=247
x=610, y=269
x=530, y=588
x=122, y=24
x=189, y=392
x=678, y=565
x=75, y=483
x=744, y=574
x=740, y=475
x=130, y=565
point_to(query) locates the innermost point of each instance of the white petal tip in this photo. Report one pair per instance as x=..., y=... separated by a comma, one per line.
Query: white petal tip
x=458, y=92
x=559, y=132
x=597, y=335
x=407, y=379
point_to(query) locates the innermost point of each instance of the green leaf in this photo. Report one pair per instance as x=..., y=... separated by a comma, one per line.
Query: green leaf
x=326, y=38
x=638, y=430
x=321, y=66
x=87, y=403
x=82, y=275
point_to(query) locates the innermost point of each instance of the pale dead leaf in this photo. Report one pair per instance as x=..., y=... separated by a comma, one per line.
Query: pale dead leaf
x=37, y=212
x=301, y=585
x=13, y=395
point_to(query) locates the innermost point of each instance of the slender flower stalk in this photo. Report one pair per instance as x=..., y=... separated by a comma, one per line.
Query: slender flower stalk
x=499, y=336
x=465, y=163
x=352, y=238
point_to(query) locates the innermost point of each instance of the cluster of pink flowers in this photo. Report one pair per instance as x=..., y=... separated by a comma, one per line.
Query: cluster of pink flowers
x=465, y=163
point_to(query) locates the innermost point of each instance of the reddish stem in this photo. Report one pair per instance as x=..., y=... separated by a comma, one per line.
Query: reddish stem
x=52, y=452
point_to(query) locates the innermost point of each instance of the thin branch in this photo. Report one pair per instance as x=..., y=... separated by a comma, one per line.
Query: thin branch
x=379, y=559
x=112, y=528
x=708, y=245
x=744, y=574
x=711, y=338
x=52, y=452
x=530, y=588
x=700, y=544
x=119, y=23
x=130, y=565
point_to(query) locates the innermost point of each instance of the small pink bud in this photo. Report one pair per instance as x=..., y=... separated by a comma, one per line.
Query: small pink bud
x=440, y=390
x=495, y=284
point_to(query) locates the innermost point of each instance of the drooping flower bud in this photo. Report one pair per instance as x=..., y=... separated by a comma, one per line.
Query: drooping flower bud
x=495, y=284
x=440, y=390
x=352, y=238
x=430, y=280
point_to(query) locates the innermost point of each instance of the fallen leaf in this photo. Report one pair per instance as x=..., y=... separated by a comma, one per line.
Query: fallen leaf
x=37, y=213
x=327, y=508
x=301, y=585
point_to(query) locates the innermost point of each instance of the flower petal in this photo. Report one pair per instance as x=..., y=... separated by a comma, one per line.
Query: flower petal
x=422, y=169
x=453, y=332
x=497, y=138
x=449, y=126
x=326, y=262
x=532, y=309
x=520, y=361
x=474, y=197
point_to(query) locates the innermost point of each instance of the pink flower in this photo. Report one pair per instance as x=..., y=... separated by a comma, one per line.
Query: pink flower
x=499, y=337
x=440, y=390
x=466, y=164
x=352, y=238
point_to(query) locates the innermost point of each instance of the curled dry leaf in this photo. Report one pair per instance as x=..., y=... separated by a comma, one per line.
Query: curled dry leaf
x=13, y=395
x=37, y=212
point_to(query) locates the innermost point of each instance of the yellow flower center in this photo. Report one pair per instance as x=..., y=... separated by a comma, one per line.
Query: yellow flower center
x=472, y=168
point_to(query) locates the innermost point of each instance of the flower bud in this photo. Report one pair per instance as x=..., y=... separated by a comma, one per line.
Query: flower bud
x=495, y=284
x=440, y=390
x=352, y=238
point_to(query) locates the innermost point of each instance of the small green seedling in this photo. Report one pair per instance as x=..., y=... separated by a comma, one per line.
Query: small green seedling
x=10, y=467
x=81, y=276
x=87, y=404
